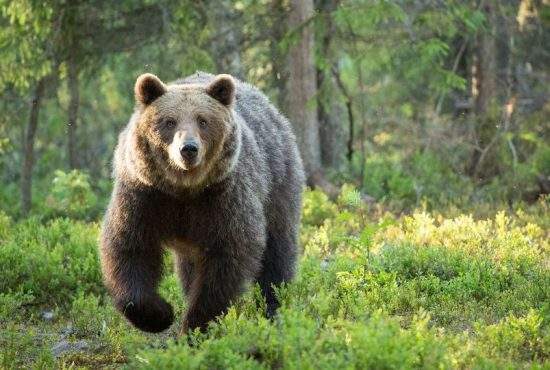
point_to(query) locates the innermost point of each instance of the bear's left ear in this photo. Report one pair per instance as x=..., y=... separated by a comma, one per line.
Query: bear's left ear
x=222, y=89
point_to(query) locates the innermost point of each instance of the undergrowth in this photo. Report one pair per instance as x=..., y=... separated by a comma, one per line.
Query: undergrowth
x=374, y=289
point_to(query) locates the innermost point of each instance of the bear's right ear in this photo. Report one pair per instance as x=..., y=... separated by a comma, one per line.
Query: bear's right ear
x=148, y=88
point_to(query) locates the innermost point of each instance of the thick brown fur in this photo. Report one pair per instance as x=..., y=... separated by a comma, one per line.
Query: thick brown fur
x=229, y=208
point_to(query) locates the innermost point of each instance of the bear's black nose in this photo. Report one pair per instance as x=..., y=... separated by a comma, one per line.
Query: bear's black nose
x=189, y=151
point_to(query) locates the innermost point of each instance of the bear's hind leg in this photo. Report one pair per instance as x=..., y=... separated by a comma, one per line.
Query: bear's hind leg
x=217, y=281
x=186, y=272
x=277, y=267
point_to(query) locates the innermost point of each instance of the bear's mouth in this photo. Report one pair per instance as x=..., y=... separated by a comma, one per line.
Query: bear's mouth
x=184, y=168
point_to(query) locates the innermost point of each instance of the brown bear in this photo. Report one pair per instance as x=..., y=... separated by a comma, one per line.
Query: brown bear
x=208, y=168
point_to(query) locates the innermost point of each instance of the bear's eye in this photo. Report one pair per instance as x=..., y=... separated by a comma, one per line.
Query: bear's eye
x=170, y=123
x=202, y=122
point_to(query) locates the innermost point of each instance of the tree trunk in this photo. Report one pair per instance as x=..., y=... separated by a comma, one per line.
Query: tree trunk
x=28, y=148
x=302, y=87
x=279, y=68
x=484, y=89
x=349, y=109
x=74, y=103
x=331, y=130
x=226, y=45
x=485, y=67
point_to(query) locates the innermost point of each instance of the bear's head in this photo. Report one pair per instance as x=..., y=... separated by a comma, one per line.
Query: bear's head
x=187, y=134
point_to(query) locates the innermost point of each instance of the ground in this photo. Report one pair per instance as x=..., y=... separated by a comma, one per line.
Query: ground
x=451, y=288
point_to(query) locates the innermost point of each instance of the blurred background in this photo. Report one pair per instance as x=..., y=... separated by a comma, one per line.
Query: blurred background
x=414, y=102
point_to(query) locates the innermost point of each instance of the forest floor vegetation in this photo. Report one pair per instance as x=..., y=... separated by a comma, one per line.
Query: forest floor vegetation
x=451, y=288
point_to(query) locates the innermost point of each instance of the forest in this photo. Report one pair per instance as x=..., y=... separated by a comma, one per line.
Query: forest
x=424, y=129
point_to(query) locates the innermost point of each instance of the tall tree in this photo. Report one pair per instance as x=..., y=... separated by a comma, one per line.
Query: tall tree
x=302, y=87
x=329, y=107
x=26, y=59
x=225, y=45
x=28, y=147
x=35, y=39
x=72, y=114
x=95, y=29
x=484, y=88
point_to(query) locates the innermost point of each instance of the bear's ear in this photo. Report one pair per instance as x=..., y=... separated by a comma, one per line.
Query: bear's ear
x=222, y=89
x=148, y=88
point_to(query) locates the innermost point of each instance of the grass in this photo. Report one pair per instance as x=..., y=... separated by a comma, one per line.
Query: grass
x=373, y=290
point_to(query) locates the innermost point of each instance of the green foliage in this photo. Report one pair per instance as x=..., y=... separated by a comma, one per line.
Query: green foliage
x=422, y=62
x=26, y=30
x=297, y=341
x=541, y=160
x=421, y=176
x=50, y=262
x=402, y=65
x=16, y=341
x=373, y=290
x=417, y=293
x=71, y=195
x=87, y=315
x=11, y=303
x=517, y=337
x=317, y=208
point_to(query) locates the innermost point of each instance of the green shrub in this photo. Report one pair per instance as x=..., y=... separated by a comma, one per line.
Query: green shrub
x=88, y=316
x=298, y=342
x=317, y=208
x=11, y=303
x=385, y=177
x=349, y=198
x=5, y=226
x=542, y=160
x=23, y=348
x=71, y=195
x=372, y=290
x=52, y=261
x=408, y=180
x=435, y=180
x=9, y=198
x=515, y=337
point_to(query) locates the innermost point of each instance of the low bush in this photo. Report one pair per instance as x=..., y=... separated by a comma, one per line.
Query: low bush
x=373, y=290
x=50, y=261
x=71, y=195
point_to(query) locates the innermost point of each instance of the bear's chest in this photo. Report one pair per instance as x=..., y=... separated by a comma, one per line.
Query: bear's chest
x=194, y=219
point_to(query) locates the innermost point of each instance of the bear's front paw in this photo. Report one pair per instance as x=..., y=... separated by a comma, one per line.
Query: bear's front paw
x=152, y=315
